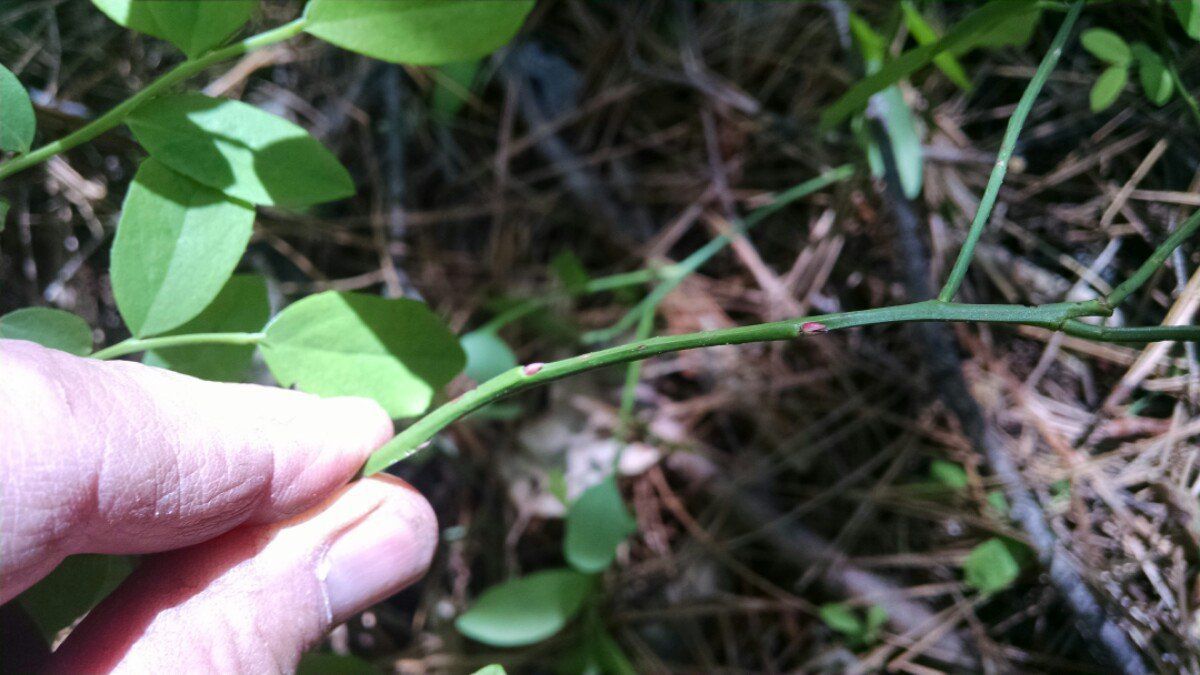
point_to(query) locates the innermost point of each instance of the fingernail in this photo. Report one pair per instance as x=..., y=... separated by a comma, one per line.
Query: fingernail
x=380, y=555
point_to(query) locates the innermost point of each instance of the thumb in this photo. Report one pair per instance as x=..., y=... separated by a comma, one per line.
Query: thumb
x=254, y=599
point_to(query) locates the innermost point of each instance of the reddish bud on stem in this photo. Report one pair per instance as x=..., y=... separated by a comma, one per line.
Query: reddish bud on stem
x=813, y=328
x=533, y=368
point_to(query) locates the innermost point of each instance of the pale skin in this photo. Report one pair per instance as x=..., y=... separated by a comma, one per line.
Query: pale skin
x=258, y=545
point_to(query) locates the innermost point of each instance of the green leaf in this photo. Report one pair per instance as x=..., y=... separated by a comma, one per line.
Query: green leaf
x=596, y=525
x=177, y=243
x=487, y=355
x=994, y=565
x=77, y=585
x=1152, y=72
x=424, y=32
x=348, y=344
x=871, y=44
x=17, y=122
x=877, y=616
x=1014, y=30
x=51, y=328
x=240, y=307
x=570, y=272
x=925, y=34
x=335, y=664
x=1108, y=87
x=997, y=503
x=842, y=619
x=493, y=669
x=240, y=150
x=195, y=26
x=950, y=474
x=452, y=88
x=1188, y=12
x=526, y=610
x=905, y=139
x=963, y=35
x=1106, y=46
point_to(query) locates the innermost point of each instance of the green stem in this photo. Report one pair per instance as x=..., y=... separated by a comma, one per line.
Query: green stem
x=118, y=114
x=1007, y=146
x=598, y=285
x=1155, y=261
x=1053, y=317
x=133, y=345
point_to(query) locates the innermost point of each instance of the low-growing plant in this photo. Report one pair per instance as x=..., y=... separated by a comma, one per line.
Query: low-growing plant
x=190, y=211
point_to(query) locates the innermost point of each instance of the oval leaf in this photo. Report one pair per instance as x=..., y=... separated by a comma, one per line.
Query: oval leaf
x=240, y=150
x=487, y=355
x=425, y=32
x=195, y=26
x=347, y=344
x=597, y=523
x=526, y=610
x=77, y=585
x=1106, y=46
x=17, y=122
x=51, y=328
x=1108, y=87
x=177, y=243
x=994, y=565
x=1188, y=12
x=241, y=307
x=1154, y=76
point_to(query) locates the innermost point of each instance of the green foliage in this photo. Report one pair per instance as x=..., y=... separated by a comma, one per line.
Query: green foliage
x=17, y=122
x=195, y=26
x=493, y=669
x=335, y=664
x=1108, y=87
x=235, y=148
x=348, y=344
x=570, y=272
x=925, y=34
x=241, y=306
x=995, y=565
x=72, y=590
x=51, y=328
x=526, y=610
x=978, y=28
x=452, y=88
x=177, y=243
x=597, y=523
x=1106, y=46
x=949, y=474
x=487, y=355
x=1188, y=12
x=860, y=630
x=423, y=32
x=1153, y=73
x=898, y=120
x=1156, y=79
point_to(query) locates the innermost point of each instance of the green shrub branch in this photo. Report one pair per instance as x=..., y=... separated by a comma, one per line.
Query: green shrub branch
x=118, y=114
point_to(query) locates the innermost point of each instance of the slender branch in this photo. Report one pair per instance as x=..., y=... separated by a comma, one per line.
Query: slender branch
x=1052, y=316
x=1155, y=261
x=118, y=114
x=133, y=345
x=1007, y=146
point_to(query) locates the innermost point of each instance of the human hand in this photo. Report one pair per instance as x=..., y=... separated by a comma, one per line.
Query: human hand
x=238, y=490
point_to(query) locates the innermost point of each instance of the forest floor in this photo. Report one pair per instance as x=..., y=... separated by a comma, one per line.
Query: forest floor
x=767, y=480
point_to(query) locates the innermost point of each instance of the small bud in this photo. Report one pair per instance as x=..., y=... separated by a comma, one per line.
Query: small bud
x=533, y=369
x=813, y=328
